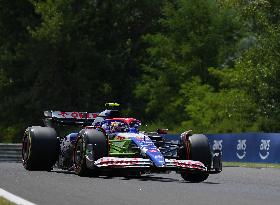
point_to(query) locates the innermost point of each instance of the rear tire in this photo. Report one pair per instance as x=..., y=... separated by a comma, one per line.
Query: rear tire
x=199, y=150
x=91, y=143
x=40, y=148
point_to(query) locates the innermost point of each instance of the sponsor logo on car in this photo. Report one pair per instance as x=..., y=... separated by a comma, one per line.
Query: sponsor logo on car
x=117, y=161
x=74, y=115
x=139, y=138
x=120, y=137
x=158, y=157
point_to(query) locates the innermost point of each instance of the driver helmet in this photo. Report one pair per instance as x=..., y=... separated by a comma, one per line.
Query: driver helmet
x=118, y=127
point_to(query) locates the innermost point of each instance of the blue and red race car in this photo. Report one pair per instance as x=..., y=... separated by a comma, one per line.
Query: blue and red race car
x=108, y=142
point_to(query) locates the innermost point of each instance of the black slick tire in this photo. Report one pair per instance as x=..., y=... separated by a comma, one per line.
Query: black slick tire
x=40, y=148
x=90, y=142
x=199, y=150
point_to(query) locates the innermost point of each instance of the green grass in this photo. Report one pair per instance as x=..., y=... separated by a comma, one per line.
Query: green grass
x=251, y=165
x=4, y=201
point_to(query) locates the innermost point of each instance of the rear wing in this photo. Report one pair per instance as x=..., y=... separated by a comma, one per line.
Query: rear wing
x=69, y=118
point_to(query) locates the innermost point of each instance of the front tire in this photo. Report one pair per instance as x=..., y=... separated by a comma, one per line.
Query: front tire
x=91, y=144
x=196, y=148
x=40, y=148
x=194, y=177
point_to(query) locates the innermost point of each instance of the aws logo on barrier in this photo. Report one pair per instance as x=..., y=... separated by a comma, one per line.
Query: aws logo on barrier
x=264, y=149
x=241, y=149
x=217, y=145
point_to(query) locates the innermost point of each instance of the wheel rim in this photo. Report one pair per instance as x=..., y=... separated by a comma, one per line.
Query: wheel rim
x=79, y=154
x=25, y=149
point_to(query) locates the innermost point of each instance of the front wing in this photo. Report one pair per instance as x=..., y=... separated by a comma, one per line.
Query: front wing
x=170, y=164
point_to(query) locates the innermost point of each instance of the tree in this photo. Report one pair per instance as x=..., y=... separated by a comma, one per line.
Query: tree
x=70, y=55
x=257, y=71
x=194, y=35
x=16, y=17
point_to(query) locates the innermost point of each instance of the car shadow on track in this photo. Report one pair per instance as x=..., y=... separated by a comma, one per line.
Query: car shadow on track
x=167, y=179
x=206, y=182
x=63, y=172
x=154, y=178
x=138, y=178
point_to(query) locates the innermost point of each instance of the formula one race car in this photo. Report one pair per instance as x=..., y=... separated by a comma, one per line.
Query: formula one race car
x=108, y=142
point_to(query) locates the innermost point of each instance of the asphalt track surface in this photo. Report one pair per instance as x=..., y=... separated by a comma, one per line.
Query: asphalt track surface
x=234, y=185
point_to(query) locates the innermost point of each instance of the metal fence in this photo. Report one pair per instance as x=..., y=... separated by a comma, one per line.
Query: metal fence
x=10, y=152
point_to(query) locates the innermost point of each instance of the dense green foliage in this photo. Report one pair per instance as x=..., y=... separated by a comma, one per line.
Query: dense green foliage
x=208, y=65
